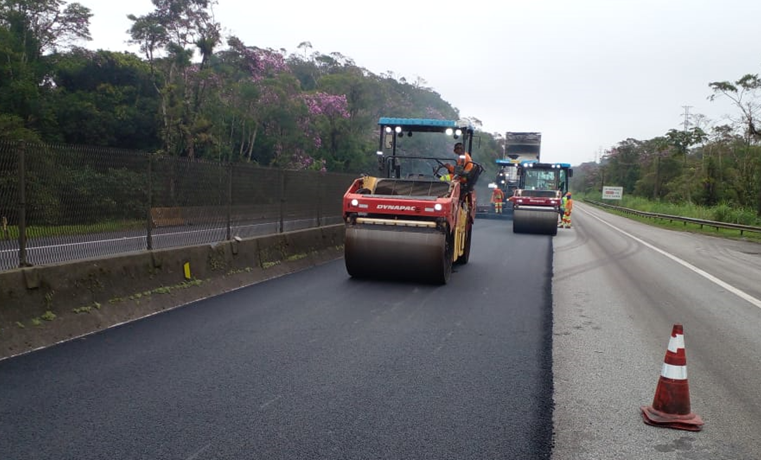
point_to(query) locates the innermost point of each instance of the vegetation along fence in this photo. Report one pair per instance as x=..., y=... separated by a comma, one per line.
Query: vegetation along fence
x=62, y=202
x=700, y=222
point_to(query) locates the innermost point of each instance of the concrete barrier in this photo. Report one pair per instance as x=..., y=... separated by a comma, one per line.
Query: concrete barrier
x=40, y=306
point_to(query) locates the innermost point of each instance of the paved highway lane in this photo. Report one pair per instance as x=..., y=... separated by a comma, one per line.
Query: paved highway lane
x=618, y=288
x=312, y=365
x=50, y=250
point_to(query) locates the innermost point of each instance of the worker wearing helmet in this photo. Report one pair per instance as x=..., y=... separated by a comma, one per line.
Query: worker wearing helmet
x=497, y=198
x=568, y=206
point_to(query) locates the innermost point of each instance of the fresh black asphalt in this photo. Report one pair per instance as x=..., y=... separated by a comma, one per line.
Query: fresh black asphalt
x=313, y=365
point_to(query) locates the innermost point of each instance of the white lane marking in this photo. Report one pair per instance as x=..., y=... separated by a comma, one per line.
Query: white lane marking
x=79, y=243
x=443, y=342
x=270, y=401
x=195, y=456
x=141, y=237
x=743, y=295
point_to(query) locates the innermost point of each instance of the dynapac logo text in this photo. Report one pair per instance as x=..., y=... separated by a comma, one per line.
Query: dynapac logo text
x=395, y=207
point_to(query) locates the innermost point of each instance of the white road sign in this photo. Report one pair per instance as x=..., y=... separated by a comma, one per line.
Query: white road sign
x=612, y=193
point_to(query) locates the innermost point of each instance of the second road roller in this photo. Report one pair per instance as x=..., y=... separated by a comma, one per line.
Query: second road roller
x=536, y=200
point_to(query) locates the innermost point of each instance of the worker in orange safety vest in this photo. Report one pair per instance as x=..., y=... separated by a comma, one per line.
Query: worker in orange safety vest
x=567, y=209
x=464, y=162
x=497, y=198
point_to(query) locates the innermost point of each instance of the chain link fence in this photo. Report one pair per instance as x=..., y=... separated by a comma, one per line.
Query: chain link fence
x=61, y=203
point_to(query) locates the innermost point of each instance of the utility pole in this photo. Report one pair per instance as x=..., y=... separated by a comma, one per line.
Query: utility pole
x=686, y=122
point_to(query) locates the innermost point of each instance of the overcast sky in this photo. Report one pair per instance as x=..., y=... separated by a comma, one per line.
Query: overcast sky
x=585, y=73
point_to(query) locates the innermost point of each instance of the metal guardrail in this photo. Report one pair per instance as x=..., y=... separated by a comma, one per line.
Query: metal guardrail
x=686, y=220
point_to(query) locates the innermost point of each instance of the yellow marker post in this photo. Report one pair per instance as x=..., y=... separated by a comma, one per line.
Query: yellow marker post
x=186, y=267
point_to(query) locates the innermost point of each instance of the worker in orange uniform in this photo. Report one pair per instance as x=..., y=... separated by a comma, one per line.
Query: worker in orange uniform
x=568, y=206
x=497, y=198
x=464, y=163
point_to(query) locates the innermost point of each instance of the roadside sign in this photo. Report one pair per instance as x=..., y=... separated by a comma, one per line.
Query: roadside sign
x=612, y=193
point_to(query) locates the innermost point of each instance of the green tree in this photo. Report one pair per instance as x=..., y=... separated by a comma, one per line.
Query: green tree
x=45, y=25
x=623, y=164
x=177, y=28
x=12, y=128
x=29, y=31
x=106, y=98
x=745, y=94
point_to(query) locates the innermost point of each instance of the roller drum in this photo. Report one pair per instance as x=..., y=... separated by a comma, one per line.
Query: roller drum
x=372, y=251
x=535, y=221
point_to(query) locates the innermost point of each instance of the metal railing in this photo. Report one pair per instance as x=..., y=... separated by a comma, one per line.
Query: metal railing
x=701, y=222
x=61, y=202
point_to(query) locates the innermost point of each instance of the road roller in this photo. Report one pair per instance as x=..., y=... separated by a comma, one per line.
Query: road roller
x=413, y=220
x=518, y=147
x=537, y=200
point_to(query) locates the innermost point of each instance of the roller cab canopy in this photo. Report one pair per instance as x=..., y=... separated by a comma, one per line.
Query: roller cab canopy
x=394, y=143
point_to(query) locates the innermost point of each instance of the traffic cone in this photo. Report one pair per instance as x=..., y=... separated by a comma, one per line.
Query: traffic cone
x=671, y=405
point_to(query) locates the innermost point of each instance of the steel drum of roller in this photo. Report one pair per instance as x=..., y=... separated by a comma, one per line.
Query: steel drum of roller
x=543, y=222
x=390, y=252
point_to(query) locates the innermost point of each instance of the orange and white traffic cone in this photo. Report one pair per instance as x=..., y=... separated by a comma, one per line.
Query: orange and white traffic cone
x=671, y=405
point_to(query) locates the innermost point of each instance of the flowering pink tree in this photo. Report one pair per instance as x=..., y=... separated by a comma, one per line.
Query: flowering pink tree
x=331, y=106
x=323, y=112
x=268, y=102
x=260, y=85
x=267, y=108
x=301, y=160
x=259, y=63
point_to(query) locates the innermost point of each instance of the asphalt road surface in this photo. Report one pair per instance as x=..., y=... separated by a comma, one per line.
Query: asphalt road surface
x=49, y=250
x=312, y=365
x=539, y=348
x=619, y=287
